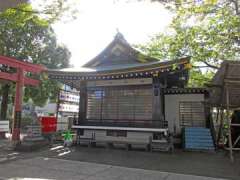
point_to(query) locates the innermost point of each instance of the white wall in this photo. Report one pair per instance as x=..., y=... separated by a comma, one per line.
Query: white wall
x=172, y=108
x=48, y=108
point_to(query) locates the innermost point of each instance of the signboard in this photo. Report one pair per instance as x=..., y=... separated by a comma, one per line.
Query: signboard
x=68, y=101
x=4, y=126
x=68, y=108
x=68, y=96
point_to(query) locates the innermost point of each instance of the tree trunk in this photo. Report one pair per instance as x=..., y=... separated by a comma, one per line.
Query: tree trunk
x=4, y=103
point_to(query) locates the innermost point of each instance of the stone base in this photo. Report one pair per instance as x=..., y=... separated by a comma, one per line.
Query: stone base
x=31, y=145
x=2, y=135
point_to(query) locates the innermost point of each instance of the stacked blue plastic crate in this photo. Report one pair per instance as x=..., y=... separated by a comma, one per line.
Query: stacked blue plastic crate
x=197, y=138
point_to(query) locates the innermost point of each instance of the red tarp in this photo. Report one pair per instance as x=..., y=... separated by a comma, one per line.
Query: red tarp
x=49, y=124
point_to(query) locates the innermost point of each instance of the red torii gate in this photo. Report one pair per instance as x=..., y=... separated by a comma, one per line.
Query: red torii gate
x=20, y=80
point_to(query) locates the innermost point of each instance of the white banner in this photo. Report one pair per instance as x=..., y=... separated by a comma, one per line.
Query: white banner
x=68, y=108
x=68, y=96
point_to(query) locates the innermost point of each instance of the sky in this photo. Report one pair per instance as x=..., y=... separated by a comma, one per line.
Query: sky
x=98, y=21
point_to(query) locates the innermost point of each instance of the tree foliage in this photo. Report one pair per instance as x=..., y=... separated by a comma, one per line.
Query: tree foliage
x=53, y=10
x=27, y=37
x=208, y=31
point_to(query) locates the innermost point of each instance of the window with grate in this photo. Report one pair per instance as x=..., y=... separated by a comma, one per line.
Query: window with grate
x=192, y=114
x=120, y=103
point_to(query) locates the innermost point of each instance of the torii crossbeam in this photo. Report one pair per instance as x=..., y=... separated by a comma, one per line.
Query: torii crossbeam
x=21, y=81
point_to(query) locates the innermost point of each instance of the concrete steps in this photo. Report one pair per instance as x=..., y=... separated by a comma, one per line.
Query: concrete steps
x=198, y=138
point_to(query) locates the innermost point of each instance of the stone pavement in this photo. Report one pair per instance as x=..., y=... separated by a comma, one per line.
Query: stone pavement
x=43, y=168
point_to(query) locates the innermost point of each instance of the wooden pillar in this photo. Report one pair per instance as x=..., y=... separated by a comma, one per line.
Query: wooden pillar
x=218, y=112
x=82, y=102
x=162, y=105
x=220, y=126
x=18, y=107
x=229, y=126
x=58, y=104
x=157, y=113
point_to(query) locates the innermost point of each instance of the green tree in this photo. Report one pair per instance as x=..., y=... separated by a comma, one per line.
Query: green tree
x=208, y=31
x=54, y=10
x=25, y=36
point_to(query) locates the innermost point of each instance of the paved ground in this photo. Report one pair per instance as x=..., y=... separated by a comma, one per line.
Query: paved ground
x=51, y=168
x=215, y=165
